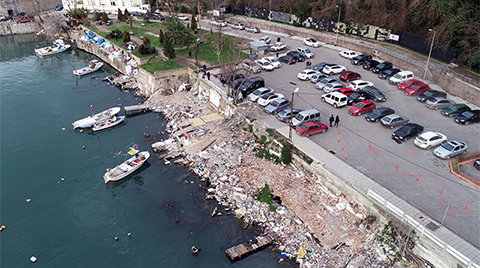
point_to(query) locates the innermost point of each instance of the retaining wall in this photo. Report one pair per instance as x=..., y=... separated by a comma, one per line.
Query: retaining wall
x=19, y=28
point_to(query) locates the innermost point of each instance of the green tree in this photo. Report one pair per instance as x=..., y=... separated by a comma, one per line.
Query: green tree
x=78, y=13
x=168, y=49
x=147, y=16
x=193, y=23
x=180, y=35
x=126, y=14
x=160, y=36
x=120, y=15
x=286, y=153
x=104, y=17
x=126, y=37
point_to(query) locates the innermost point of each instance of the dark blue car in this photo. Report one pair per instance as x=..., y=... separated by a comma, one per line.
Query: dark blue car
x=59, y=7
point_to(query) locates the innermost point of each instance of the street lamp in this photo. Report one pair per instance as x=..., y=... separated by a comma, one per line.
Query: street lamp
x=196, y=49
x=291, y=115
x=338, y=22
x=429, y=53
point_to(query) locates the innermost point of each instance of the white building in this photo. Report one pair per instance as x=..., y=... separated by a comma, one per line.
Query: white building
x=110, y=6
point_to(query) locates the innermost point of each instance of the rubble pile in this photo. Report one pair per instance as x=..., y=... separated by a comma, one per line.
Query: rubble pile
x=332, y=228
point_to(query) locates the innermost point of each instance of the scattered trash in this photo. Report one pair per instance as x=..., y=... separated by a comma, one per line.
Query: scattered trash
x=28, y=200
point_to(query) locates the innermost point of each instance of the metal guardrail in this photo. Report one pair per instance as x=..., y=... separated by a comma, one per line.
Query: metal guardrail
x=461, y=76
x=422, y=230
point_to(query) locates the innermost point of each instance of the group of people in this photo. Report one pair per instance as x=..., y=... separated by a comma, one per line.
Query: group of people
x=205, y=73
x=308, y=64
x=334, y=120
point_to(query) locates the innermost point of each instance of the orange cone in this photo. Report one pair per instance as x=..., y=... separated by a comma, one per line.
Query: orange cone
x=370, y=145
x=342, y=147
x=466, y=208
x=397, y=165
x=338, y=132
x=441, y=193
x=346, y=156
x=338, y=140
x=417, y=177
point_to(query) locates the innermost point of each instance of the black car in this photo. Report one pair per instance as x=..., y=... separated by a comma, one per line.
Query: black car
x=388, y=73
x=250, y=85
x=319, y=66
x=360, y=59
x=469, y=117
x=374, y=93
x=225, y=79
x=476, y=164
x=455, y=109
x=431, y=94
x=297, y=55
x=368, y=64
x=407, y=131
x=157, y=16
x=382, y=67
x=377, y=114
x=357, y=97
x=288, y=59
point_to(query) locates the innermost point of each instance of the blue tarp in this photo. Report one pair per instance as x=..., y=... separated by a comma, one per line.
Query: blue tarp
x=100, y=41
x=90, y=35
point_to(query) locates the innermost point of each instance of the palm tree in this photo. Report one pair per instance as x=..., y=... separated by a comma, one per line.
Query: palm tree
x=181, y=35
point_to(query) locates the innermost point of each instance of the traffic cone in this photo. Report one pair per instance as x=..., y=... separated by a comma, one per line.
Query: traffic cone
x=397, y=165
x=441, y=193
x=370, y=145
x=417, y=177
x=466, y=208
x=338, y=132
x=338, y=140
x=342, y=147
x=346, y=156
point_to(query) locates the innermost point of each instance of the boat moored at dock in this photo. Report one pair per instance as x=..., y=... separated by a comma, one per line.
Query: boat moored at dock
x=58, y=46
x=115, y=120
x=93, y=66
x=95, y=119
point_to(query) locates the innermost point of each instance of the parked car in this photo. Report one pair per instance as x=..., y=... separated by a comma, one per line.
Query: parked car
x=276, y=64
x=288, y=59
x=59, y=7
x=476, y=164
x=400, y=77
x=374, y=93
x=226, y=79
x=345, y=91
x=25, y=18
x=158, y=16
x=360, y=84
x=431, y=94
x=388, y=73
x=468, y=117
x=219, y=23
x=330, y=87
x=429, y=139
x=306, y=52
x=317, y=77
x=297, y=55
x=407, y=131
x=360, y=59
x=311, y=42
x=266, y=39
x=357, y=97
x=379, y=113
x=306, y=74
x=253, y=29
x=335, y=69
x=266, y=99
x=310, y=128
x=319, y=66
x=393, y=120
x=368, y=64
x=278, y=46
x=438, y=103
x=324, y=81
x=450, y=149
x=336, y=99
x=259, y=92
x=265, y=65
x=181, y=17
x=349, y=54
x=238, y=26
x=362, y=107
x=250, y=85
x=417, y=90
x=382, y=67
x=251, y=66
x=277, y=106
x=455, y=109
x=311, y=115
x=409, y=83
x=349, y=76
x=286, y=114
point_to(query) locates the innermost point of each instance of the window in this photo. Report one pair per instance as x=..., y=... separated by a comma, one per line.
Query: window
x=125, y=3
x=102, y=2
x=113, y=3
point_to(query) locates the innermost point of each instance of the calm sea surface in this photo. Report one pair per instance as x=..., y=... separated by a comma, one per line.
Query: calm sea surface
x=73, y=217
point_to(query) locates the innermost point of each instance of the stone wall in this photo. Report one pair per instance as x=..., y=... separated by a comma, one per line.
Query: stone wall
x=19, y=28
x=28, y=6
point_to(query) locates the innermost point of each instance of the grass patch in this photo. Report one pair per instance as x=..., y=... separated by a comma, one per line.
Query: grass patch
x=152, y=25
x=265, y=196
x=153, y=67
x=139, y=32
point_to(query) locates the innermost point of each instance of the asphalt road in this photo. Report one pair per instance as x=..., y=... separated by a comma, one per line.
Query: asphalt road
x=371, y=149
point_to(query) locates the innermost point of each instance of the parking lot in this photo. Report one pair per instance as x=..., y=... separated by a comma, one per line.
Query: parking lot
x=370, y=149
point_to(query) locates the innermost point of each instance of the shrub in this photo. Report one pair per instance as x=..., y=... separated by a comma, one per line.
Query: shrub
x=160, y=36
x=104, y=17
x=126, y=37
x=97, y=16
x=286, y=153
x=120, y=16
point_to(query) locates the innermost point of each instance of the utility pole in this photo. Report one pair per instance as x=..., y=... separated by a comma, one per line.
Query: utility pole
x=429, y=53
x=338, y=22
x=291, y=115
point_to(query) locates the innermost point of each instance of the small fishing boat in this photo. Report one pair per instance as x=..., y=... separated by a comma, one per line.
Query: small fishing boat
x=115, y=120
x=93, y=66
x=134, y=160
x=58, y=47
x=95, y=119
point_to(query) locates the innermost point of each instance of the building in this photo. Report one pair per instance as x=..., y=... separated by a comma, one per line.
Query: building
x=109, y=6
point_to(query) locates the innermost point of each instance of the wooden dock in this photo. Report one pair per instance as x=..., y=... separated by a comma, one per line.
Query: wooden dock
x=135, y=109
x=259, y=242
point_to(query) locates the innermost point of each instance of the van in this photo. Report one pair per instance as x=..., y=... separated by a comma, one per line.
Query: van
x=400, y=77
x=306, y=116
x=336, y=99
x=305, y=51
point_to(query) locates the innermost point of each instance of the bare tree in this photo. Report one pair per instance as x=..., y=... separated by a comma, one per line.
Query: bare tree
x=217, y=43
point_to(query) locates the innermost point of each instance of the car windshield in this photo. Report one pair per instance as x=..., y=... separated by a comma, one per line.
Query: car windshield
x=257, y=92
x=303, y=126
x=359, y=105
x=324, y=81
x=467, y=114
x=380, y=66
x=422, y=139
x=415, y=87
x=283, y=113
x=267, y=96
x=398, y=76
x=354, y=95
x=273, y=60
x=378, y=111
x=313, y=40
x=448, y=146
x=247, y=83
x=299, y=117
x=307, y=51
x=408, y=83
x=275, y=103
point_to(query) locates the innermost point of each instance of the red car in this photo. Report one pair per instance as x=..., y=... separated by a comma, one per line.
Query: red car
x=362, y=107
x=349, y=76
x=26, y=18
x=417, y=89
x=345, y=91
x=409, y=83
x=309, y=128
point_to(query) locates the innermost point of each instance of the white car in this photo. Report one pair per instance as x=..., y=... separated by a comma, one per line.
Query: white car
x=266, y=39
x=253, y=29
x=306, y=74
x=359, y=84
x=278, y=46
x=349, y=54
x=335, y=69
x=311, y=42
x=273, y=61
x=267, y=98
x=238, y=26
x=265, y=65
x=219, y=23
x=429, y=139
x=259, y=92
x=182, y=17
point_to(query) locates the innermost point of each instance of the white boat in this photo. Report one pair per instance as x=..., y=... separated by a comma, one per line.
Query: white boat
x=93, y=66
x=95, y=119
x=58, y=47
x=126, y=168
x=109, y=123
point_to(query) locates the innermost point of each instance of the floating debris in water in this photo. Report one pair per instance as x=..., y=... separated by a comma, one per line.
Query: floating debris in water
x=33, y=259
x=28, y=200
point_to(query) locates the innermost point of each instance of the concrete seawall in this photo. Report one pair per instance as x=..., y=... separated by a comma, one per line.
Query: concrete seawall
x=19, y=28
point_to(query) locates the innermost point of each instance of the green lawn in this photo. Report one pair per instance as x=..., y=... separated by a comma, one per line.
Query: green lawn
x=153, y=67
x=138, y=32
x=153, y=25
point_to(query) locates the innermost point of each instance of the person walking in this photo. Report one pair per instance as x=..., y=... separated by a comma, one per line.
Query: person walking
x=208, y=76
x=189, y=54
x=331, y=120
x=337, y=120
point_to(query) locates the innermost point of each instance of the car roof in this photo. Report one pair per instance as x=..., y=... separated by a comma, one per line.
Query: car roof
x=429, y=134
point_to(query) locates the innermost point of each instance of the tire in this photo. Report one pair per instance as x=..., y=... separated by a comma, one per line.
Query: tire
x=360, y=113
x=307, y=135
x=467, y=123
x=324, y=130
x=428, y=147
x=335, y=105
x=436, y=108
x=464, y=152
x=390, y=127
x=323, y=99
x=331, y=73
x=405, y=139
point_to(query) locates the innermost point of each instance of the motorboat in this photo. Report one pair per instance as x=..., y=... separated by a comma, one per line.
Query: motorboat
x=115, y=120
x=58, y=46
x=134, y=161
x=96, y=118
x=92, y=66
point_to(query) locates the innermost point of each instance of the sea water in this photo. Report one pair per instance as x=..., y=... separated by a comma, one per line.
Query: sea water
x=73, y=218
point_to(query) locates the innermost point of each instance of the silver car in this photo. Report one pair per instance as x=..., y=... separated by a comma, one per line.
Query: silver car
x=393, y=120
x=330, y=87
x=259, y=93
x=324, y=81
x=450, y=149
x=438, y=103
x=285, y=115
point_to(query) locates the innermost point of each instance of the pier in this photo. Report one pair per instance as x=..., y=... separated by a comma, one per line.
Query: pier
x=135, y=109
x=259, y=242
